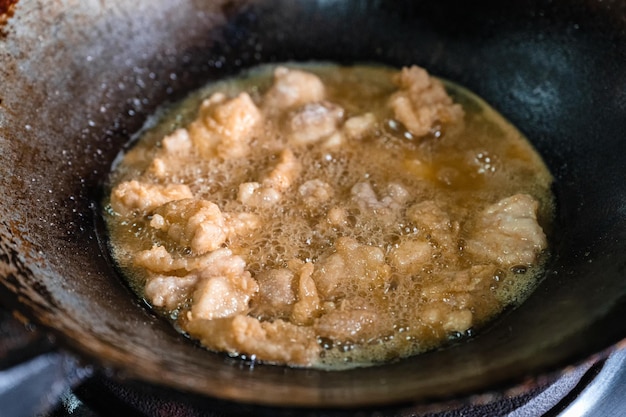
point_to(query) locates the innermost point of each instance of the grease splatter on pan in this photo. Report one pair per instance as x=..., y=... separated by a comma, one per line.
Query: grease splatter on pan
x=7, y=8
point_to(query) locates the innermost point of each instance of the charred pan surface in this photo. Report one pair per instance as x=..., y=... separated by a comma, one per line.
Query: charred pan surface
x=7, y=8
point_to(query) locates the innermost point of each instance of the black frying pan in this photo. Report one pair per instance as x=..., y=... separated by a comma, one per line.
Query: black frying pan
x=78, y=78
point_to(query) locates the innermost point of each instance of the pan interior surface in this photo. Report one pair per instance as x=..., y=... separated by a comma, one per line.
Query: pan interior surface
x=72, y=97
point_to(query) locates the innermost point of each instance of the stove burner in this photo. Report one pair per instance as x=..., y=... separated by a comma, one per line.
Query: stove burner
x=32, y=381
x=589, y=390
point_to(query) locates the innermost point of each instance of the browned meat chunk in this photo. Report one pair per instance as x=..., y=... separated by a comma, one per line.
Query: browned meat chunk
x=508, y=232
x=292, y=88
x=197, y=224
x=313, y=122
x=225, y=126
x=145, y=197
x=422, y=101
x=278, y=341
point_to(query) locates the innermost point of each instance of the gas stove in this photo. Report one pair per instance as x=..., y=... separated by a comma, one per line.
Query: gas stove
x=50, y=383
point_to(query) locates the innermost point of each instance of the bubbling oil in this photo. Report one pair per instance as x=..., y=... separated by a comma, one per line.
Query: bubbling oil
x=463, y=170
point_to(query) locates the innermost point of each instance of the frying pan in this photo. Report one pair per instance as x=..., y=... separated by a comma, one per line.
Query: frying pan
x=78, y=78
